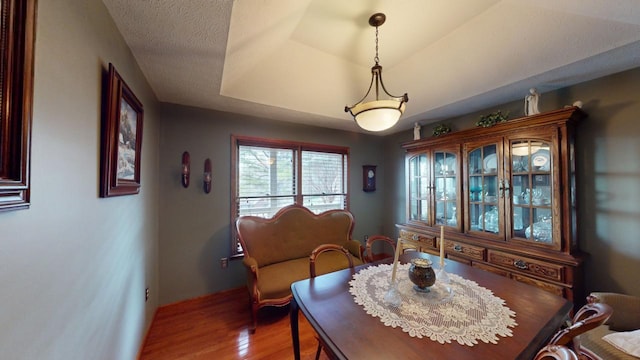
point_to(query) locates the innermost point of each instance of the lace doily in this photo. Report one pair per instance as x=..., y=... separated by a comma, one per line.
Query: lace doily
x=470, y=313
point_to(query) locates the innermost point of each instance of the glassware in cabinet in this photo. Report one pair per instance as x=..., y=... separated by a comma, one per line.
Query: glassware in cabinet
x=483, y=186
x=446, y=188
x=532, y=190
x=419, y=186
x=434, y=187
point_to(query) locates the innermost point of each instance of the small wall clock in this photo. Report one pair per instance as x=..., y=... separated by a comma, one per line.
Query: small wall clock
x=368, y=178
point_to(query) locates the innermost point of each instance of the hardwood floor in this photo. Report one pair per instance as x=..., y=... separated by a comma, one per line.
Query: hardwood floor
x=217, y=327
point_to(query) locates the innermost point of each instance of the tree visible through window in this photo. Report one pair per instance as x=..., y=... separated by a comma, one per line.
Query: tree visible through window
x=271, y=174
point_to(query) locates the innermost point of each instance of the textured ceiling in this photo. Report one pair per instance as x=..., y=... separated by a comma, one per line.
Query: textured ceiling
x=304, y=60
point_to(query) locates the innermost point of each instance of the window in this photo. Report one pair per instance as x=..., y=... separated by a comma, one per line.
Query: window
x=17, y=22
x=271, y=174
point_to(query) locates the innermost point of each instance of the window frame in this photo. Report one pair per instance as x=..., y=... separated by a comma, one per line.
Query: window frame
x=18, y=24
x=299, y=148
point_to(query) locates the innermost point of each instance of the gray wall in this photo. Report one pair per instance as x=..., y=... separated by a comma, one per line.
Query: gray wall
x=73, y=267
x=195, y=227
x=608, y=174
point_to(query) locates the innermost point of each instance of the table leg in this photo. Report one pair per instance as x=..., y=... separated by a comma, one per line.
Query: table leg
x=293, y=317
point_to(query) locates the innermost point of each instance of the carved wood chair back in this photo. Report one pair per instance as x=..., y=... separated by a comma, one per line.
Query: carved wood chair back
x=556, y=352
x=312, y=271
x=324, y=248
x=369, y=255
x=588, y=317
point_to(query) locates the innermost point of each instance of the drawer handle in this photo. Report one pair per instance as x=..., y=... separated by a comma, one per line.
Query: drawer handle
x=415, y=237
x=520, y=264
x=457, y=248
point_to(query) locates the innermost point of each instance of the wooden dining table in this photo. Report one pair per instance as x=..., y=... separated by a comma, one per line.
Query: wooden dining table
x=348, y=332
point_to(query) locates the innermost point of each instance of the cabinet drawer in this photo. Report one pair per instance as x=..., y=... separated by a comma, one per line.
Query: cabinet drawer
x=407, y=248
x=426, y=241
x=461, y=249
x=526, y=265
x=490, y=268
x=552, y=288
x=459, y=259
x=429, y=250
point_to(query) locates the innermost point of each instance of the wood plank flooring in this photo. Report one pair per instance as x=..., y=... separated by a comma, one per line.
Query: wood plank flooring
x=217, y=327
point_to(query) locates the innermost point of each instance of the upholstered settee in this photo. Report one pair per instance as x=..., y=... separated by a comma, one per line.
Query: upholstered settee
x=625, y=318
x=277, y=250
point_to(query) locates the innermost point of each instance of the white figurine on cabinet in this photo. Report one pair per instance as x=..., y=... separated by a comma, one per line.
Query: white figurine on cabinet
x=531, y=103
x=576, y=103
x=416, y=131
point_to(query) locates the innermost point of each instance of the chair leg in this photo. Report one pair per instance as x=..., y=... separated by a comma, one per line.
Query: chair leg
x=254, y=316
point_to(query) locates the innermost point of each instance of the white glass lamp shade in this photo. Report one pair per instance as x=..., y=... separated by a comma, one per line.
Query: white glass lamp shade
x=378, y=115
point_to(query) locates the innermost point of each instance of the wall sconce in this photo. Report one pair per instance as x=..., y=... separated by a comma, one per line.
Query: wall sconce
x=186, y=168
x=207, y=176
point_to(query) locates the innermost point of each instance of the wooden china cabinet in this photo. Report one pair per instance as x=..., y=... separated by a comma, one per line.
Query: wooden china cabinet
x=506, y=198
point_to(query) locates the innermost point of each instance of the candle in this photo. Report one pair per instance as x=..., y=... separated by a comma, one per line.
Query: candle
x=395, y=262
x=441, y=247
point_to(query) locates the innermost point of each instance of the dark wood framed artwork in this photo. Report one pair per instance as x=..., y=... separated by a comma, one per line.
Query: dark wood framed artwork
x=17, y=38
x=121, y=138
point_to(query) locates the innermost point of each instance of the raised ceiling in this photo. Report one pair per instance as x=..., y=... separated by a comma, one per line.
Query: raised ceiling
x=303, y=60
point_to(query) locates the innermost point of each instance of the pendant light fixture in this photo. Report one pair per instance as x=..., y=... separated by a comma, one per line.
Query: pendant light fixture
x=378, y=114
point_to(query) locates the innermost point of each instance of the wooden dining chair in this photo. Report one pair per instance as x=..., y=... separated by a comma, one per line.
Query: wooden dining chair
x=369, y=256
x=324, y=248
x=556, y=352
x=588, y=317
x=312, y=271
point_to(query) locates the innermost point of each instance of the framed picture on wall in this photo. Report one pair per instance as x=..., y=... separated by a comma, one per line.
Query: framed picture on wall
x=121, y=138
x=18, y=27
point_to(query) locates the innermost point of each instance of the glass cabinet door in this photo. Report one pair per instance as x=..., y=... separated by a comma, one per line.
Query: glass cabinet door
x=483, y=189
x=446, y=188
x=419, y=186
x=532, y=191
